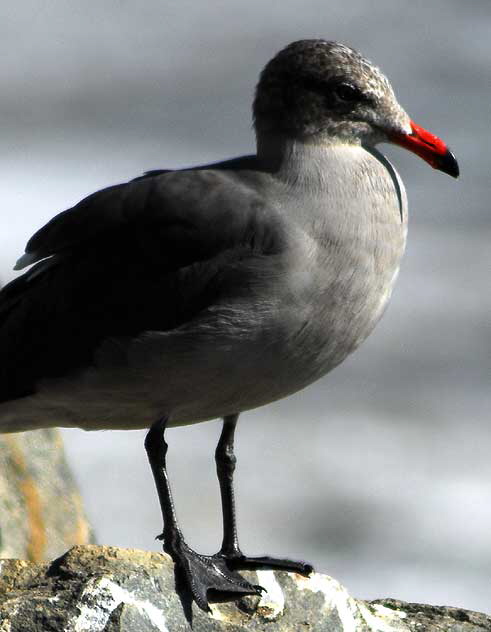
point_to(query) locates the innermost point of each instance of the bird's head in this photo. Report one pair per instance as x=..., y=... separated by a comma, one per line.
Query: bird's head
x=321, y=91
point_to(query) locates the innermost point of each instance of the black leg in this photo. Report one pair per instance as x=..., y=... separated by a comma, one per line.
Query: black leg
x=156, y=448
x=225, y=462
x=199, y=574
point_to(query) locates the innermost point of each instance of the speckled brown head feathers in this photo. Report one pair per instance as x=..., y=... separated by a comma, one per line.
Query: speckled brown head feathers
x=320, y=89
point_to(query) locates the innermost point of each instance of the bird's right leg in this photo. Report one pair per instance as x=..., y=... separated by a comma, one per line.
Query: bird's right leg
x=156, y=448
x=225, y=462
x=200, y=573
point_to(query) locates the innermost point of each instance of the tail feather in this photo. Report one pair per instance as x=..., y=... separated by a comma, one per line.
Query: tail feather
x=11, y=293
x=20, y=304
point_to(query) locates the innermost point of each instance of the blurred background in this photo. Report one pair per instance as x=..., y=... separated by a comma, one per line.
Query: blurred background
x=379, y=474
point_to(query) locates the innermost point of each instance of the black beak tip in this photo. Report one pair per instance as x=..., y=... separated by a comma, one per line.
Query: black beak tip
x=448, y=164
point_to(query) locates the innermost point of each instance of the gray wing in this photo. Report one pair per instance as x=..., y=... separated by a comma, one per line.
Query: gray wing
x=146, y=255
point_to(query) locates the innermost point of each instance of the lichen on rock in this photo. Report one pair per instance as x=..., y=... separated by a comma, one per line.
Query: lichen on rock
x=41, y=512
x=108, y=589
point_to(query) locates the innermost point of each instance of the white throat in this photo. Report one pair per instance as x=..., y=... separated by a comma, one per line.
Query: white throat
x=311, y=165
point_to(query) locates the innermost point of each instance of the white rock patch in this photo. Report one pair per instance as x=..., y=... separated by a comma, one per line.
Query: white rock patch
x=351, y=613
x=272, y=601
x=100, y=598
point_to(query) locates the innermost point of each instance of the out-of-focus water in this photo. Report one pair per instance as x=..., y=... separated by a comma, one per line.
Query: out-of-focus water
x=380, y=473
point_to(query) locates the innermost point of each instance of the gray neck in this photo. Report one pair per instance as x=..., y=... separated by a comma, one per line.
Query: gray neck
x=314, y=166
x=305, y=162
x=339, y=190
x=319, y=166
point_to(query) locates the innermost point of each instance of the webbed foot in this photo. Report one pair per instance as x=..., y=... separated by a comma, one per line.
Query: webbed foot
x=209, y=575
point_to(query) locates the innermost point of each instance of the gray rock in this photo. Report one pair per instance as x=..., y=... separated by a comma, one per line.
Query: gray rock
x=41, y=511
x=106, y=589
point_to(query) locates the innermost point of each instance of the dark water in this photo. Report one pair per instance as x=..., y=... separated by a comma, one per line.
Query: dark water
x=379, y=474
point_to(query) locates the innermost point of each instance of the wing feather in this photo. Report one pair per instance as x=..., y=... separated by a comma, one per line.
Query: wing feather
x=146, y=255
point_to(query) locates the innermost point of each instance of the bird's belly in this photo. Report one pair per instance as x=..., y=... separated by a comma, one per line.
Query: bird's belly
x=216, y=376
x=299, y=344
x=238, y=359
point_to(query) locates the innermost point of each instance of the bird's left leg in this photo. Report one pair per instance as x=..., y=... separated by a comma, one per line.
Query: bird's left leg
x=225, y=463
x=199, y=574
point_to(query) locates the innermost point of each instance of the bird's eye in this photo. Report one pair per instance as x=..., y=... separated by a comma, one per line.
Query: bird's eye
x=347, y=93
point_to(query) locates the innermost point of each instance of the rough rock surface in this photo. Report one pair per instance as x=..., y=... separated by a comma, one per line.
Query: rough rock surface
x=41, y=511
x=106, y=589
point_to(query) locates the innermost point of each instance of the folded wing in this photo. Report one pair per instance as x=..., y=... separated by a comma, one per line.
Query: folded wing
x=146, y=255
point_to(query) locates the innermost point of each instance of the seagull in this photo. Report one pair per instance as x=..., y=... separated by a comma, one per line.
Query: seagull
x=194, y=294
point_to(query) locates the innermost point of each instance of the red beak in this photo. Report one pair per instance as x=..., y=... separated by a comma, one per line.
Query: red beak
x=429, y=148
